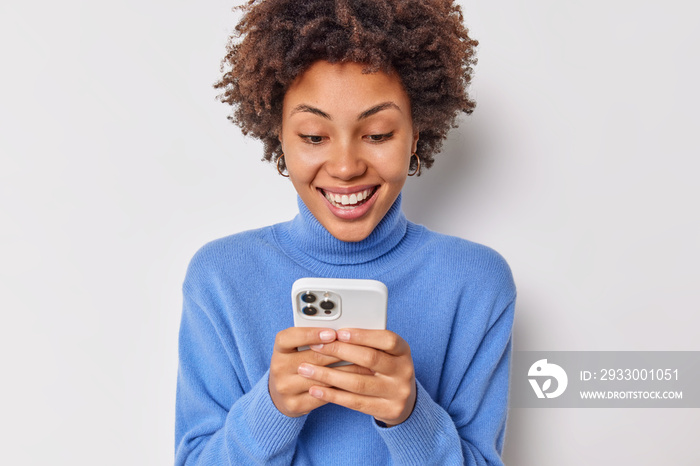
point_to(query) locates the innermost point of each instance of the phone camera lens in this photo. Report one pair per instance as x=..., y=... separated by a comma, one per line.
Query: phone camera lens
x=327, y=305
x=309, y=310
x=308, y=297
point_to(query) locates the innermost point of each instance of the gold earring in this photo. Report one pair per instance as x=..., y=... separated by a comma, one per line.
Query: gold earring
x=417, y=169
x=279, y=168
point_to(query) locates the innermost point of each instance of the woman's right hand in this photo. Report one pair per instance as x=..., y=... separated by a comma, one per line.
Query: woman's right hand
x=290, y=391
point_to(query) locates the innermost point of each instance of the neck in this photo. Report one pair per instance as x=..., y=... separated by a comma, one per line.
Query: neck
x=310, y=244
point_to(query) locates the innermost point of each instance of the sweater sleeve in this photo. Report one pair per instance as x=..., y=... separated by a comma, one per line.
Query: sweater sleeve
x=469, y=428
x=216, y=421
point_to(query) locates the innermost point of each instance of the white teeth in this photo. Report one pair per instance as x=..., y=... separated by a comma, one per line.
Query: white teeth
x=348, y=201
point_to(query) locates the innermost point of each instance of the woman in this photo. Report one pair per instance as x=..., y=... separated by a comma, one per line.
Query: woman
x=350, y=98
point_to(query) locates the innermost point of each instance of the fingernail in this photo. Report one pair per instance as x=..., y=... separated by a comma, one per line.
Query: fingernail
x=316, y=347
x=343, y=335
x=315, y=392
x=327, y=335
x=306, y=371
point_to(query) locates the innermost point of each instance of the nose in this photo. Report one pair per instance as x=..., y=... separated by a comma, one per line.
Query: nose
x=346, y=162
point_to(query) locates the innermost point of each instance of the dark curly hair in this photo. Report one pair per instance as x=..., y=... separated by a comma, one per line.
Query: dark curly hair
x=424, y=41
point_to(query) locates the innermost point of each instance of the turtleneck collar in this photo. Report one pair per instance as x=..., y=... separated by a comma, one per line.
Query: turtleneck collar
x=307, y=242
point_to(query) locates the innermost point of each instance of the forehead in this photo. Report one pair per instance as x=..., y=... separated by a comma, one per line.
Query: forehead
x=344, y=88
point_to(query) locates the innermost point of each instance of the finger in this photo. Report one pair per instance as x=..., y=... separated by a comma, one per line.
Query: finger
x=290, y=339
x=292, y=385
x=384, y=340
x=360, y=384
x=373, y=359
x=312, y=357
x=283, y=364
x=288, y=383
x=299, y=405
x=355, y=369
x=387, y=411
x=370, y=405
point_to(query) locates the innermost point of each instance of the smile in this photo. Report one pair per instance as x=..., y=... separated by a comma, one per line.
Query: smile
x=349, y=200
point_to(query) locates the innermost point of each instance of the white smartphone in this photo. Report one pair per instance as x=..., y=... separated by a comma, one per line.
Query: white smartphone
x=339, y=303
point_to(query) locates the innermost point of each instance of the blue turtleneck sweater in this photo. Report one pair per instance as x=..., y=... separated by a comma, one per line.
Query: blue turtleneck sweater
x=450, y=299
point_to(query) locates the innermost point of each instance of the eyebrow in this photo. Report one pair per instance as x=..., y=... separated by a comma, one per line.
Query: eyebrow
x=376, y=109
x=366, y=114
x=310, y=109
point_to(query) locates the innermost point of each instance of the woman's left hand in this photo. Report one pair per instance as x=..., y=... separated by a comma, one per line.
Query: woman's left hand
x=388, y=393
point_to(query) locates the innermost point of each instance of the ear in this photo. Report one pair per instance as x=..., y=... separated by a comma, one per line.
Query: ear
x=414, y=146
x=279, y=138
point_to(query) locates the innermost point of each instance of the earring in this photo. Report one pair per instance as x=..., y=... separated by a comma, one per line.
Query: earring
x=280, y=170
x=416, y=171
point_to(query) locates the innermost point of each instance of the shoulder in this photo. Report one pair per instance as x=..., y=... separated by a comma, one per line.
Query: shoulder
x=463, y=259
x=230, y=248
x=223, y=256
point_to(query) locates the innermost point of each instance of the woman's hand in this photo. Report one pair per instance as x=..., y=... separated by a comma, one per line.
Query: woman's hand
x=386, y=391
x=289, y=391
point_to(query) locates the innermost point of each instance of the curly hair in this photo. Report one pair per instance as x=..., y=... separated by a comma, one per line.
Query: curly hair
x=424, y=41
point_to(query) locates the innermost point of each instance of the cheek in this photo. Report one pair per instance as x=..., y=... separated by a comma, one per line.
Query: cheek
x=302, y=170
x=397, y=178
x=302, y=164
x=394, y=169
x=395, y=162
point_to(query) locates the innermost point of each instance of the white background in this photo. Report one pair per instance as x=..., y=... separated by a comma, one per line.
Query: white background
x=117, y=163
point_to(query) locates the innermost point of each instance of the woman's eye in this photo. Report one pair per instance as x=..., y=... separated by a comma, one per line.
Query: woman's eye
x=379, y=137
x=311, y=139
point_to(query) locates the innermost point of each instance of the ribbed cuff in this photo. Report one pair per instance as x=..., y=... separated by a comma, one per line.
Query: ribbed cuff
x=270, y=432
x=427, y=431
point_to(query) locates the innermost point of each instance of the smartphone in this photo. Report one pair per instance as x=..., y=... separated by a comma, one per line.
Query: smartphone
x=339, y=303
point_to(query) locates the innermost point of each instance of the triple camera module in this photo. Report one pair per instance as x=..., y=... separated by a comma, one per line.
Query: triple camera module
x=320, y=304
